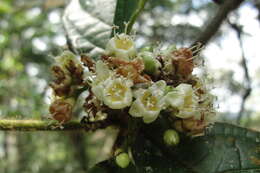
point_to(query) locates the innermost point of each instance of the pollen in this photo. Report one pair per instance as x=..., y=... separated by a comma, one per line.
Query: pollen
x=149, y=101
x=117, y=92
x=123, y=43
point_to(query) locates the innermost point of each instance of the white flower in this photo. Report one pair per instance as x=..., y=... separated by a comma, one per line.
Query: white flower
x=149, y=102
x=113, y=91
x=102, y=71
x=102, y=74
x=122, y=46
x=116, y=93
x=97, y=89
x=184, y=99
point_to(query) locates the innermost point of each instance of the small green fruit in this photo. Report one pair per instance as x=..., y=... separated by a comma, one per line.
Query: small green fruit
x=122, y=160
x=171, y=137
x=150, y=63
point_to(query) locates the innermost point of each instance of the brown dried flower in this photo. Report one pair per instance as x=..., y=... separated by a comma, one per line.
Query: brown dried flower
x=61, y=109
x=183, y=62
x=129, y=69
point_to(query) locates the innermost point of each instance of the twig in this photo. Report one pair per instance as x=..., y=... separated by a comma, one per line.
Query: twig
x=135, y=15
x=239, y=31
x=40, y=125
x=215, y=23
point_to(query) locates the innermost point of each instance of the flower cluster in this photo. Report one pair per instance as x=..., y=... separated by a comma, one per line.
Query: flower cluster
x=147, y=84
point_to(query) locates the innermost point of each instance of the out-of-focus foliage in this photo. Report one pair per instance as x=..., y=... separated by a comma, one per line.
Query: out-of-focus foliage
x=29, y=36
x=31, y=32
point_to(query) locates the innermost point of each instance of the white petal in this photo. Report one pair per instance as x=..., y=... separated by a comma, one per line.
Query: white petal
x=174, y=99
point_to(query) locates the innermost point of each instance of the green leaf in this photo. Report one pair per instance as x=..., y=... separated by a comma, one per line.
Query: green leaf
x=88, y=24
x=5, y=7
x=224, y=148
x=127, y=11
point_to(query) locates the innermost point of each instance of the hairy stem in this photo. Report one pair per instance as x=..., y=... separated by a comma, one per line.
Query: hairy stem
x=40, y=125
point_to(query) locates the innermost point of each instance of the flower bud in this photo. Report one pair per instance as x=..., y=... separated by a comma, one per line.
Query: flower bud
x=61, y=109
x=171, y=137
x=122, y=160
x=150, y=62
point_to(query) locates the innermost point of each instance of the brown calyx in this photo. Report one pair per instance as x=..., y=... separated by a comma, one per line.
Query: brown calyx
x=61, y=110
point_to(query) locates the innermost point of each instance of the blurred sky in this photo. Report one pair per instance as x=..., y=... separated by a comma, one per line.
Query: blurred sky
x=227, y=56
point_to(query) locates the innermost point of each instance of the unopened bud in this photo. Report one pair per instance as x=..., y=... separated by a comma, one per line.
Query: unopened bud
x=150, y=62
x=122, y=160
x=171, y=137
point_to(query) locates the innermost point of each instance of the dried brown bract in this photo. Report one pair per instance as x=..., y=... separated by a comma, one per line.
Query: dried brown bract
x=183, y=62
x=88, y=62
x=62, y=80
x=76, y=72
x=129, y=69
x=61, y=110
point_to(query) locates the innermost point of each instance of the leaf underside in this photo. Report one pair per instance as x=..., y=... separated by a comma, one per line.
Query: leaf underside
x=88, y=24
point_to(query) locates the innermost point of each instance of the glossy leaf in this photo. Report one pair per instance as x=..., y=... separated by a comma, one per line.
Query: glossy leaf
x=224, y=148
x=123, y=13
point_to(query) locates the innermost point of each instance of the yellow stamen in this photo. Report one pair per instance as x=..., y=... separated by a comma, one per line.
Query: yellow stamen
x=117, y=92
x=149, y=101
x=123, y=43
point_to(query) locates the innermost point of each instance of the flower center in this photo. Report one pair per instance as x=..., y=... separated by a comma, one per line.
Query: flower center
x=149, y=101
x=117, y=92
x=188, y=101
x=123, y=43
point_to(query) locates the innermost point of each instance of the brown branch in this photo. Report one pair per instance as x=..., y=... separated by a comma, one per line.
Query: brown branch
x=39, y=125
x=247, y=91
x=214, y=25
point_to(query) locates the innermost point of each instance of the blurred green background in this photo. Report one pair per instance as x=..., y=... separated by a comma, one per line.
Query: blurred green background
x=31, y=33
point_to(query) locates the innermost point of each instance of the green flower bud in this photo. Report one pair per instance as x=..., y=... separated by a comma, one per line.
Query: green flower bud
x=151, y=64
x=122, y=160
x=171, y=137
